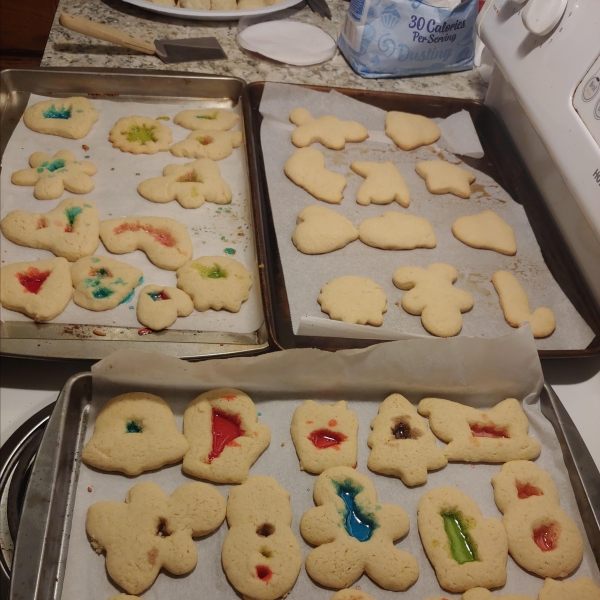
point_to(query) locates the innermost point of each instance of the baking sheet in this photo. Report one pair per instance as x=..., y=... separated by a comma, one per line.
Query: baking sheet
x=305, y=275
x=478, y=372
x=212, y=227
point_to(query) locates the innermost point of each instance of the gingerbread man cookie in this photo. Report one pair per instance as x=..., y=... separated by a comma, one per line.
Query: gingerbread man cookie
x=52, y=175
x=212, y=119
x=541, y=537
x=328, y=130
x=325, y=436
x=465, y=549
x=67, y=117
x=261, y=556
x=442, y=177
x=224, y=435
x=496, y=435
x=351, y=595
x=151, y=531
x=395, y=231
x=581, y=589
x=409, y=131
x=433, y=296
x=355, y=534
x=101, y=283
x=140, y=135
x=191, y=185
x=158, y=306
x=306, y=168
x=401, y=443
x=134, y=432
x=39, y=289
x=383, y=184
x=70, y=230
x=166, y=242
x=486, y=230
x=215, y=145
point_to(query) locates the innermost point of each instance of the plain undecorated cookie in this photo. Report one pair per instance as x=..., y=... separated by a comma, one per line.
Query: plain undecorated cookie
x=158, y=306
x=215, y=145
x=487, y=231
x=396, y=231
x=140, y=135
x=351, y=595
x=320, y=230
x=581, y=589
x=480, y=593
x=66, y=117
x=330, y=131
x=354, y=300
x=383, y=184
x=409, y=131
x=442, y=177
x=212, y=119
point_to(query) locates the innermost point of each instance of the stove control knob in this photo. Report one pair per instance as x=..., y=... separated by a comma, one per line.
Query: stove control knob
x=542, y=16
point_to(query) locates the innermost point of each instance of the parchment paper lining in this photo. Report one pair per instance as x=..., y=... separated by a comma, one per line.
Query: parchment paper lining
x=474, y=371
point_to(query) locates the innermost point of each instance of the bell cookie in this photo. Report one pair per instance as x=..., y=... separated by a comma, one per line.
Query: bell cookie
x=442, y=177
x=140, y=135
x=224, y=435
x=52, y=175
x=354, y=300
x=432, y=295
x=383, y=184
x=395, y=231
x=306, y=168
x=158, y=306
x=515, y=306
x=401, y=444
x=465, y=549
x=261, y=556
x=215, y=145
x=327, y=130
x=191, y=185
x=325, y=436
x=541, y=537
x=166, y=242
x=409, y=131
x=151, y=531
x=212, y=119
x=133, y=433
x=497, y=435
x=320, y=230
x=102, y=283
x=487, y=231
x=351, y=595
x=215, y=282
x=70, y=230
x=39, y=289
x=581, y=589
x=355, y=534
x=66, y=117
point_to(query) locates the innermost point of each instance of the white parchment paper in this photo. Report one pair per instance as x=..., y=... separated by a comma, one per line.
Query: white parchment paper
x=305, y=275
x=212, y=227
x=478, y=372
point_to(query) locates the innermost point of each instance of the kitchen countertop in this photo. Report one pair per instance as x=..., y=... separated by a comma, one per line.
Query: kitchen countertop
x=68, y=49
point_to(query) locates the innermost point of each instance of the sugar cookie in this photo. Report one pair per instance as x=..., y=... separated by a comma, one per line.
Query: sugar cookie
x=486, y=230
x=320, y=230
x=582, y=589
x=351, y=595
x=442, y=177
x=212, y=119
x=215, y=145
x=327, y=130
x=140, y=135
x=66, y=117
x=396, y=231
x=480, y=593
x=383, y=184
x=158, y=306
x=409, y=131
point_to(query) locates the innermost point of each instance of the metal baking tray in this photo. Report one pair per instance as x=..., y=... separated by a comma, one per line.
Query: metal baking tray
x=39, y=561
x=501, y=162
x=50, y=340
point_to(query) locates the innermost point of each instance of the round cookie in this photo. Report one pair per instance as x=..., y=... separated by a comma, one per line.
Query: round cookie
x=212, y=119
x=140, y=135
x=215, y=145
x=66, y=117
x=351, y=595
x=158, y=306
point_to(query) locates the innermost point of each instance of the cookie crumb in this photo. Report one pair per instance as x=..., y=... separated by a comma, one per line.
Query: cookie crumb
x=397, y=303
x=98, y=332
x=86, y=148
x=89, y=488
x=261, y=266
x=282, y=444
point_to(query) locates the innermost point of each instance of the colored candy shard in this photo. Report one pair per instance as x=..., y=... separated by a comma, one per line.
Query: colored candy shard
x=72, y=213
x=214, y=272
x=229, y=251
x=526, y=490
x=358, y=524
x=133, y=427
x=141, y=134
x=160, y=235
x=324, y=438
x=56, y=164
x=461, y=545
x=102, y=292
x=488, y=431
x=403, y=431
x=156, y=296
x=57, y=113
x=33, y=279
x=225, y=429
x=210, y=116
x=263, y=572
x=546, y=537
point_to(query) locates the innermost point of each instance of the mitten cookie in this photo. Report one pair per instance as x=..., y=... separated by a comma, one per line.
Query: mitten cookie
x=355, y=534
x=320, y=230
x=39, y=289
x=101, y=282
x=67, y=117
x=401, y=443
x=306, y=168
x=134, y=432
x=328, y=130
x=215, y=145
x=580, y=589
x=52, y=175
x=395, y=231
x=151, y=530
x=140, y=135
x=541, y=537
x=465, y=549
x=487, y=231
x=158, y=306
x=166, y=242
x=261, y=556
x=442, y=177
x=325, y=436
x=224, y=435
x=212, y=119
x=69, y=230
x=215, y=282
x=496, y=435
x=191, y=185
x=351, y=595
x=383, y=184
x=409, y=131
x=433, y=296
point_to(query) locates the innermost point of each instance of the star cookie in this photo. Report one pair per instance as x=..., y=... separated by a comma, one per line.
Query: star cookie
x=329, y=131
x=409, y=131
x=396, y=231
x=66, y=117
x=140, y=135
x=487, y=231
x=383, y=184
x=442, y=177
x=320, y=230
x=215, y=145
x=158, y=306
x=206, y=120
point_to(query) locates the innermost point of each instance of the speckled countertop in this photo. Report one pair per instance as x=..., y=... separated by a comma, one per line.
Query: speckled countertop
x=68, y=49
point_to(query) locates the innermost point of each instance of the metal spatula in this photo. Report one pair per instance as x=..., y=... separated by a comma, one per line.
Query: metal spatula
x=169, y=51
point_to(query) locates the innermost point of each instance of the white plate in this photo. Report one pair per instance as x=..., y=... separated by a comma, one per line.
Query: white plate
x=211, y=15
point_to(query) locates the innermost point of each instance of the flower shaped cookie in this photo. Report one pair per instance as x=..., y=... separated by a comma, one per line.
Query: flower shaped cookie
x=212, y=119
x=66, y=117
x=215, y=145
x=140, y=135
